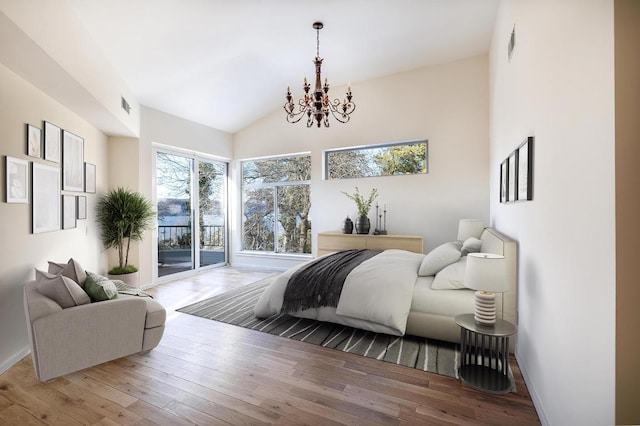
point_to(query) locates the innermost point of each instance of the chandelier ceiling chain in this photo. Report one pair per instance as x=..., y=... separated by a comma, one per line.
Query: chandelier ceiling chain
x=317, y=105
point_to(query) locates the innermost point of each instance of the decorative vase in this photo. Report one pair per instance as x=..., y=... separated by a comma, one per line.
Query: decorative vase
x=347, y=226
x=362, y=225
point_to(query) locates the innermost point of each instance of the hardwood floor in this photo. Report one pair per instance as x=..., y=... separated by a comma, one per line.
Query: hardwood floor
x=210, y=373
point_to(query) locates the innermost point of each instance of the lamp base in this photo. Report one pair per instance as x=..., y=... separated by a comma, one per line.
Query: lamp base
x=485, y=313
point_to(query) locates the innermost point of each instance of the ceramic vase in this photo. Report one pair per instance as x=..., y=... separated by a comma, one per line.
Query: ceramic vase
x=362, y=225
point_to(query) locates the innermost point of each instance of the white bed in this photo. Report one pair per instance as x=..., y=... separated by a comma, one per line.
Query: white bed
x=389, y=296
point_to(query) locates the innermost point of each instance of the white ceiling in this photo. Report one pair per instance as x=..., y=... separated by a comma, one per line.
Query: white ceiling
x=227, y=63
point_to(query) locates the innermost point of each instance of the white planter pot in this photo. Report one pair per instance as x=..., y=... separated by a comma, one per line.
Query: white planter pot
x=132, y=279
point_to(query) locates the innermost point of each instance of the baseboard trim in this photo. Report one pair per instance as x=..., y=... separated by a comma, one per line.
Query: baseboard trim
x=14, y=359
x=532, y=391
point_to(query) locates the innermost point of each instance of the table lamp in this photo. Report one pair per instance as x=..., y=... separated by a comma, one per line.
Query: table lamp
x=468, y=228
x=486, y=273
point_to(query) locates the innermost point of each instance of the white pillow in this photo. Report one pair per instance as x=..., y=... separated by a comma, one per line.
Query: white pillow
x=441, y=256
x=66, y=292
x=451, y=277
x=471, y=245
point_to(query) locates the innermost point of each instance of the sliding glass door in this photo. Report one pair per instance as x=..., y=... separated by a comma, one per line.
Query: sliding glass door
x=191, y=202
x=213, y=217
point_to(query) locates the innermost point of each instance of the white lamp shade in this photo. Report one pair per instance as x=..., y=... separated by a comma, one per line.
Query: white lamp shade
x=468, y=228
x=486, y=272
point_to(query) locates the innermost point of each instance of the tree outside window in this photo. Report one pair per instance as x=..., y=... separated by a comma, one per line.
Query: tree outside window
x=275, y=204
x=380, y=160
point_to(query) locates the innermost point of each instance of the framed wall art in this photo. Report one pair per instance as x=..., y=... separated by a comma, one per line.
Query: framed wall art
x=511, y=178
x=52, y=145
x=90, y=178
x=45, y=192
x=69, y=211
x=72, y=162
x=525, y=170
x=504, y=167
x=17, y=180
x=34, y=141
x=82, y=207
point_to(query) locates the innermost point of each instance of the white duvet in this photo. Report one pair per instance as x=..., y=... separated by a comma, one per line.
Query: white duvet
x=376, y=295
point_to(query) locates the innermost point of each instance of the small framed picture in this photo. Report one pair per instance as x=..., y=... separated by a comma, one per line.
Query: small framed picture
x=90, y=178
x=34, y=141
x=512, y=177
x=69, y=211
x=503, y=181
x=45, y=192
x=82, y=207
x=52, y=142
x=72, y=162
x=525, y=170
x=17, y=179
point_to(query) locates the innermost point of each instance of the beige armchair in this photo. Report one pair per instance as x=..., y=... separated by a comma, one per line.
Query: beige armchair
x=67, y=340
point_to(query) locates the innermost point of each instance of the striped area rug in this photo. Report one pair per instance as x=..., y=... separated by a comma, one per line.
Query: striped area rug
x=236, y=307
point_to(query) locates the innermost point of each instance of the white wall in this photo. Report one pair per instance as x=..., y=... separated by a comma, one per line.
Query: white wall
x=559, y=87
x=21, y=251
x=447, y=104
x=50, y=48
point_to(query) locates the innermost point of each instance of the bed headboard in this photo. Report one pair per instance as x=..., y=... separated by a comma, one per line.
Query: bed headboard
x=495, y=242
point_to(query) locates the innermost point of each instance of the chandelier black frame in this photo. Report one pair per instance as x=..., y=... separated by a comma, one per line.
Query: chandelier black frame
x=317, y=105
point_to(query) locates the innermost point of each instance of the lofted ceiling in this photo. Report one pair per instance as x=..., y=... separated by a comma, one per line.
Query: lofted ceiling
x=227, y=63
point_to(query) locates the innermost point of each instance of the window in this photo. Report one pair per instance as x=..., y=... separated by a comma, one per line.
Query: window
x=401, y=158
x=275, y=204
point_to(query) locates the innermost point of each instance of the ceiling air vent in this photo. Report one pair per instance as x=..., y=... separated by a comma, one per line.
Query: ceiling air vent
x=125, y=105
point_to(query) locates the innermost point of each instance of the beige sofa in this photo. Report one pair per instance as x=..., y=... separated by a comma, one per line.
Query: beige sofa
x=67, y=340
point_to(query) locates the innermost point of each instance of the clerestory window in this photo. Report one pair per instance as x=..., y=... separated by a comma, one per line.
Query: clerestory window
x=391, y=159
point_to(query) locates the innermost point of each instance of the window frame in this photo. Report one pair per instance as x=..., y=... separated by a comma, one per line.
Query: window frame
x=273, y=185
x=327, y=152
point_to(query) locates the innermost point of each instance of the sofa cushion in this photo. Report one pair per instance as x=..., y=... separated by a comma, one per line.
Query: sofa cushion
x=441, y=256
x=71, y=269
x=156, y=314
x=100, y=288
x=63, y=290
x=56, y=268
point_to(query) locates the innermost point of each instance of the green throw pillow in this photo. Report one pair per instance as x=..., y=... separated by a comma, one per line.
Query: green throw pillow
x=100, y=288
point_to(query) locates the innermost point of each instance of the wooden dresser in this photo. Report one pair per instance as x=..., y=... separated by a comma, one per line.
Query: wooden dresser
x=334, y=241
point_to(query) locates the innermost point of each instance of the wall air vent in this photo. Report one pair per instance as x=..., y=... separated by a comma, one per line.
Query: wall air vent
x=125, y=105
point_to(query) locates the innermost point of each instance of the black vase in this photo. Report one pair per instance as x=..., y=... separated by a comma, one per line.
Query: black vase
x=347, y=226
x=362, y=225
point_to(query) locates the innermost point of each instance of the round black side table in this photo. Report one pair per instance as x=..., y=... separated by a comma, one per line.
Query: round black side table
x=484, y=354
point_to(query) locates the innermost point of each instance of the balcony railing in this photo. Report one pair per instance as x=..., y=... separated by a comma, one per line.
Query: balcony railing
x=179, y=237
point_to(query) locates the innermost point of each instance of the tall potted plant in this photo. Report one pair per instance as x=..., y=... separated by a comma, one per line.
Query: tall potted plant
x=362, y=225
x=123, y=216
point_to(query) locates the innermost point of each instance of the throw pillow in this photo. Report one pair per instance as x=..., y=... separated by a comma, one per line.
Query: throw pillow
x=71, y=269
x=451, y=277
x=471, y=245
x=63, y=290
x=55, y=267
x=441, y=256
x=100, y=288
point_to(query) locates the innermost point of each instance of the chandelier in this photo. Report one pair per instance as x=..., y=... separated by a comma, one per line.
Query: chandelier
x=317, y=105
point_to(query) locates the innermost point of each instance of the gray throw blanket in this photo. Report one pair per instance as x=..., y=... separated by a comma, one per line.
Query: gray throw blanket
x=320, y=282
x=127, y=289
